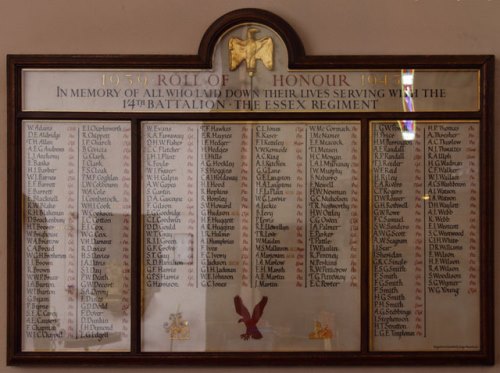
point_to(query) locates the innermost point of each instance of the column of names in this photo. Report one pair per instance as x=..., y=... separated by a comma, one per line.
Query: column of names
x=219, y=202
x=333, y=205
x=169, y=205
x=275, y=205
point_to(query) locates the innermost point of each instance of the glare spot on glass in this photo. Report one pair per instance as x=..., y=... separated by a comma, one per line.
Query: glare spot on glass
x=407, y=79
x=407, y=129
x=426, y=197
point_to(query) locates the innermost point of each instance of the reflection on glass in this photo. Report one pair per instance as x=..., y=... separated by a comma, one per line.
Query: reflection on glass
x=407, y=126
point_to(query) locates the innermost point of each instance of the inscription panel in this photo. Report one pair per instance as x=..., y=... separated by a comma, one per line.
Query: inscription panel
x=268, y=91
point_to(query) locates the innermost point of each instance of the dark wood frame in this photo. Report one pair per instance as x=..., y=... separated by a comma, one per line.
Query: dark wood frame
x=297, y=60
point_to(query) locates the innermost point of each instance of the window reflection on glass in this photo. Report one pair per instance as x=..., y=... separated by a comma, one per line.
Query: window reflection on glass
x=408, y=127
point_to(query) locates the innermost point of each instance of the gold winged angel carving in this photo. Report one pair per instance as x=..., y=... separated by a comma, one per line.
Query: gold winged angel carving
x=250, y=50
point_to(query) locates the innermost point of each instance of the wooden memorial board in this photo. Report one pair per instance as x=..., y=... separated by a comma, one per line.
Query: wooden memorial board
x=250, y=205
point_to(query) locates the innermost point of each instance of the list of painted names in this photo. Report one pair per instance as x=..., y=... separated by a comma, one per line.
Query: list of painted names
x=258, y=206
x=77, y=232
x=425, y=230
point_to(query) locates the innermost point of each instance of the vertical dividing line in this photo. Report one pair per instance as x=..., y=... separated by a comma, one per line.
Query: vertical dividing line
x=425, y=239
x=366, y=265
x=16, y=213
x=136, y=275
x=251, y=203
x=487, y=207
x=16, y=259
x=306, y=203
x=197, y=203
x=77, y=233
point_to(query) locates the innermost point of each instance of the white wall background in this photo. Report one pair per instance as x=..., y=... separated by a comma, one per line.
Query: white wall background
x=345, y=27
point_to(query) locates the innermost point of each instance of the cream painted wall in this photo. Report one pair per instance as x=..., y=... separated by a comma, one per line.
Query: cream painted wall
x=176, y=27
